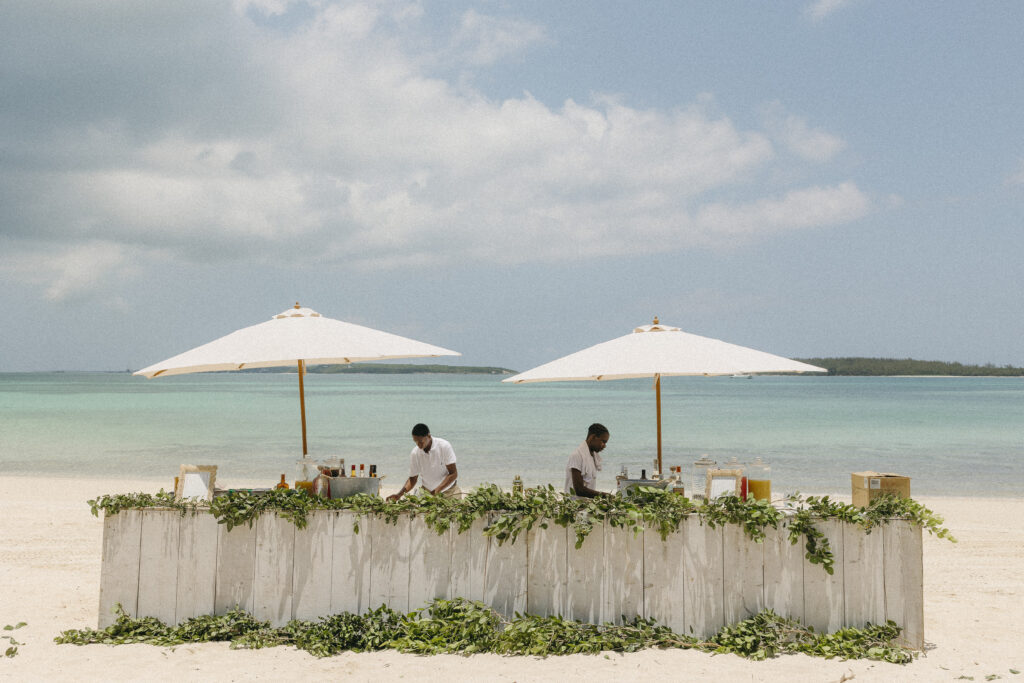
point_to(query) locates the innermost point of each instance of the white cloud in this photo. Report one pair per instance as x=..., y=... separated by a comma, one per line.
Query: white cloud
x=822, y=8
x=486, y=39
x=796, y=135
x=334, y=139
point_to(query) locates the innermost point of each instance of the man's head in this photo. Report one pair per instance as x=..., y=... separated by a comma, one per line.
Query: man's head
x=421, y=436
x=597, y=437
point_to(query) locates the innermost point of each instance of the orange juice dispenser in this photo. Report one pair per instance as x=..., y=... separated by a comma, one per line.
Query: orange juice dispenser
x=759, y=480
x=307, y=472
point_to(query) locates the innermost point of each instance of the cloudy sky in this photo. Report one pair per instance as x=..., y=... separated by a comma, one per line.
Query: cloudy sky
x=515, y=179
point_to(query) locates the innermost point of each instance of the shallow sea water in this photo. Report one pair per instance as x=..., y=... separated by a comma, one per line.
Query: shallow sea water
x=952, y=436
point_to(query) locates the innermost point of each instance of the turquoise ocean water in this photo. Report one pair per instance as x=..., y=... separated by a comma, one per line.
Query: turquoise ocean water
x=952, y=436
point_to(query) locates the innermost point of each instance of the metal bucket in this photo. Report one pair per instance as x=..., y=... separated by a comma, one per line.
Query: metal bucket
x=343, y=487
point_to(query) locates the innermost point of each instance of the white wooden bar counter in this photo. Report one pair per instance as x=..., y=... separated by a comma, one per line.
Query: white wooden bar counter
x=162, y=564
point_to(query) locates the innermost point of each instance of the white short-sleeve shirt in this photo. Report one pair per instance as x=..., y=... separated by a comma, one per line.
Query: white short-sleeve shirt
x=589, y=464
x=432, y=467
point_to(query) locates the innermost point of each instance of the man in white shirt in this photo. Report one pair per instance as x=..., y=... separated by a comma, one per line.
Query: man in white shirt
x=585, y=462
x=432, y=463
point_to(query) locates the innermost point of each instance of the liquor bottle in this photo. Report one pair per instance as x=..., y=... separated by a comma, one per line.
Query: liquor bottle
x=353, y=470
x=362, y=472
x=517, y=486
x=373, y=471
x=282, y=484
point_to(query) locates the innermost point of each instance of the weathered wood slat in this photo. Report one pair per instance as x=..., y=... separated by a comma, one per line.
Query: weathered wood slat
x=272, y=578
x=197, y=566
x=863, y=576
x=824, y=606
x=430, y=563
x=158, y=565
x=236, y=568
x=586, y=577
x=119, y=575
x=389, y=562
x=311, y=576
x=505, y=575
x=469, y=560
x=623, y=579
x=350, y=568
x=665, y=578
x=704, y=587
x=784, y=573
x=547, y=579
x=902, y=552
x=743, y=574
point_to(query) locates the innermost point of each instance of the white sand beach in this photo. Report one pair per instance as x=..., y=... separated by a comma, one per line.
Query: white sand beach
x=50, y=573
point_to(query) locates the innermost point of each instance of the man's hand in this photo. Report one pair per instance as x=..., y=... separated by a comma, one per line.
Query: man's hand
x=408, y=486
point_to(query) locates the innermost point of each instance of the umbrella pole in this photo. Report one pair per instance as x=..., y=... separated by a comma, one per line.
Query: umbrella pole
x=302, y=405
x=657, y=393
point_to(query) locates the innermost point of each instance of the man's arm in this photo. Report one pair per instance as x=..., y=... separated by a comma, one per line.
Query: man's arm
x=453, y=474
x=581, y=488
x=409, y=484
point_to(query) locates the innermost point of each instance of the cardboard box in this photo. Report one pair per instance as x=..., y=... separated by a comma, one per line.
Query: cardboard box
x=870, y=485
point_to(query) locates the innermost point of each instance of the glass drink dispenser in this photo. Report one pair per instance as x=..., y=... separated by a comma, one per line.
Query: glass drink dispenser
x=759, y=480
x=698, y=475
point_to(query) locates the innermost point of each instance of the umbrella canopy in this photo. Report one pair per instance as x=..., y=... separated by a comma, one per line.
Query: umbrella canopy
x=659, y=350
x=298, y=336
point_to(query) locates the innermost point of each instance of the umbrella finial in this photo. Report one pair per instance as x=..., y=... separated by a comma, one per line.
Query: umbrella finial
x=655, y=320
x=297, y=305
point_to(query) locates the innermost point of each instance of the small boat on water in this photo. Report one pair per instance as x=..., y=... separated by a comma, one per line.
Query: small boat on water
x=741, y=376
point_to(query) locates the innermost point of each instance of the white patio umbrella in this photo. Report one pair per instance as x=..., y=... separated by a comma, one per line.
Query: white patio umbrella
x=659, y=350
x=298, y=336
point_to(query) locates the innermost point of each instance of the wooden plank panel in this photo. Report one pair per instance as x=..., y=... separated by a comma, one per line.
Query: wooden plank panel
x=704, y=579
x=389, y=562
x=784, y=573
x=119, y=574
x=469, y=561
x=505, y=574
x=903, y=561
x=665, y=578
x=430, y=563
x=863, y=576
x=547, y=579
x=350, y=565
x=197, y=563
x=311, y=575
x=275, y=560
x=585, y=576
x=158, y=564
x=743, y=574
x=623, y=575
x=197, y=566
x=824, y=607
x=236, y=567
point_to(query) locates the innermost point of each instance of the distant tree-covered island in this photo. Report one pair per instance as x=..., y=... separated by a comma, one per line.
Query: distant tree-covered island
x=396, y=369
x=867, y=367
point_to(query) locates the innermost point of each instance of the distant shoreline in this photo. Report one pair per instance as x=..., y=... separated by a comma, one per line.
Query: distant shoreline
x=835, y=367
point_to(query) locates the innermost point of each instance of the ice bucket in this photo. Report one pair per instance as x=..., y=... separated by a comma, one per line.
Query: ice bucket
x=343, y=487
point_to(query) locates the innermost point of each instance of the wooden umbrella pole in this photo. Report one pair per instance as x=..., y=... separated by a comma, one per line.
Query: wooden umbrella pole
x=657, y=393
x=302, y=405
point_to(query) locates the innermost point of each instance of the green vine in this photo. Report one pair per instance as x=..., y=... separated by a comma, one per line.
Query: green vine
x=508, y=514
x=465, y=627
